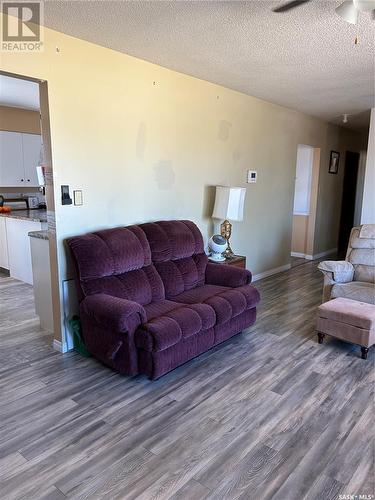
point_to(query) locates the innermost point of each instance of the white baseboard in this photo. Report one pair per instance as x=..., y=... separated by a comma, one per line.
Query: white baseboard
x=59, y=346
x=270, y=272
x=298, y=254
x=323, y=254
x=313, y=257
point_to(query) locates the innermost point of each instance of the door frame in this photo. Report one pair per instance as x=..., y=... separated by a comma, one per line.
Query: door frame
x=308, y=253
x=343, y=244
x=50, y=202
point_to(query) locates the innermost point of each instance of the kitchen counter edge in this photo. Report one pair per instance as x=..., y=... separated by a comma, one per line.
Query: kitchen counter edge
x=31, y=215
x=42, y=235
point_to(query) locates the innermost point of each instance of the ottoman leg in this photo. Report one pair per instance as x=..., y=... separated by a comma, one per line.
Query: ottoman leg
x=364, y=352
x=320, y=337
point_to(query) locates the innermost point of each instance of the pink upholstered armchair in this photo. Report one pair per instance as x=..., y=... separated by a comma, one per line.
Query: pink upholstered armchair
x=354, y=277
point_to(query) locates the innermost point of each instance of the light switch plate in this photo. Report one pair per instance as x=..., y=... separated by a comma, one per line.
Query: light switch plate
x=251, y=176
x=78, y=198
x=65, y=196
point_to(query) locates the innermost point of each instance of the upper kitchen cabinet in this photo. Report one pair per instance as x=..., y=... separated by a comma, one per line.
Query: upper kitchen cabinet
x=19, y=156
x=11, y=160
x=31, y=146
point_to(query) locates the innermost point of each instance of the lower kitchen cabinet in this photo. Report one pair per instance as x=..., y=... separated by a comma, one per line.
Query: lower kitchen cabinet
x=19, y=252
x=4, y=261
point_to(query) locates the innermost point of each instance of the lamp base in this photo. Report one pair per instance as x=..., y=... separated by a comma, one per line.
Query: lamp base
x=228, y=254
x=226, y=232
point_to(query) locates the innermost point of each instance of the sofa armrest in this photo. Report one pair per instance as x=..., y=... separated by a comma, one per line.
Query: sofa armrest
x=340, y=271
x=225, y=275
x=113, y=312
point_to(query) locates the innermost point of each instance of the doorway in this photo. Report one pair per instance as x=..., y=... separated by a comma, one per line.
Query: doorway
x=27, y=236
x=305, y=201
x=348, y=203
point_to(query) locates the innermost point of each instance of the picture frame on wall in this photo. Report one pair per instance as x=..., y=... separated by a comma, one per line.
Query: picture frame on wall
x=334, y=162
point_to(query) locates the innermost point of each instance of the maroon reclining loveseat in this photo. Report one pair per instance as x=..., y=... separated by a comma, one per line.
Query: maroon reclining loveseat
x=149, y=299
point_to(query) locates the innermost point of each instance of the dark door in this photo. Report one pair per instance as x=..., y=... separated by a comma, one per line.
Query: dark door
x=348, y=199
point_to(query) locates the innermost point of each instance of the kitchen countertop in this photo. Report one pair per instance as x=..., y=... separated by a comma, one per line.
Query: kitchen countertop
x=36, y=215
x=42, y=235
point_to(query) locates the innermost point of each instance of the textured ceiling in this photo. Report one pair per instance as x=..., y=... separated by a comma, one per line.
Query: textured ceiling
x=304, y=59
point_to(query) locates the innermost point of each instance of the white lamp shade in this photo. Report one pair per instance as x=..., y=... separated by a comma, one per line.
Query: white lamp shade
x=348, y=12
x=364, y=5
x=229, y=203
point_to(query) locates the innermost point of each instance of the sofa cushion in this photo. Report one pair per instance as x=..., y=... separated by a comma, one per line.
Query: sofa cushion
x=365, y=256
x=364, y=273
x=141, y=285
x=177, y=252
x=170, y=240
x=156, y=364
x=360, y=237
x=159, y=308
x=356, y=290
x=170, y=323
x=367, y=231
x=182, y=274
x=117, y=262
x=226, y=302
x=361, y=253
x=110, y=252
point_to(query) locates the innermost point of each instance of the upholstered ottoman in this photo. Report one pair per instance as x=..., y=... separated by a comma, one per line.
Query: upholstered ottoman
x=348, y=320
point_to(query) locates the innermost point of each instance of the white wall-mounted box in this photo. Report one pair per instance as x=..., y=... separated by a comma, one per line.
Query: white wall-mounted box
x=252, y=176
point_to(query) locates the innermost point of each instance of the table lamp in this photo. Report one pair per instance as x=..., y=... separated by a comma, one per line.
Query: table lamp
x=229, y=203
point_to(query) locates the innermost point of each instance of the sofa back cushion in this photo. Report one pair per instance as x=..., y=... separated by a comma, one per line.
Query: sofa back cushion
x=361, y=252
x=117, y=262
x=177, y=252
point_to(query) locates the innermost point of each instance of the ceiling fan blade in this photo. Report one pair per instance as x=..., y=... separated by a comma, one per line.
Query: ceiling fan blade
x=290, y=5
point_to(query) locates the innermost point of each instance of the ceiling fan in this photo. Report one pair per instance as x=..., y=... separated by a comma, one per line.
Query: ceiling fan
x=348, y=10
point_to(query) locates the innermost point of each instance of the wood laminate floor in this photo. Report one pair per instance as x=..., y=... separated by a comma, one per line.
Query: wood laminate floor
x=297, y=261
x=269, y=414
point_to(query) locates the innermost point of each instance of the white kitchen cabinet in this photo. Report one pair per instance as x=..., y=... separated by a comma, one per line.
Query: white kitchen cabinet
x=12, y=173
x=31, y=147
x=19, y=157
x=17, y=230
x=4, y=261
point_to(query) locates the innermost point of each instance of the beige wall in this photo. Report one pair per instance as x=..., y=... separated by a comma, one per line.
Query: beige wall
x=19, y=120
x=147, y=143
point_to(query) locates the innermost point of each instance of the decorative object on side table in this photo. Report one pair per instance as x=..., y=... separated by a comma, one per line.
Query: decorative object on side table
x=217, y=244
x=334, y=162
x=229, y=204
